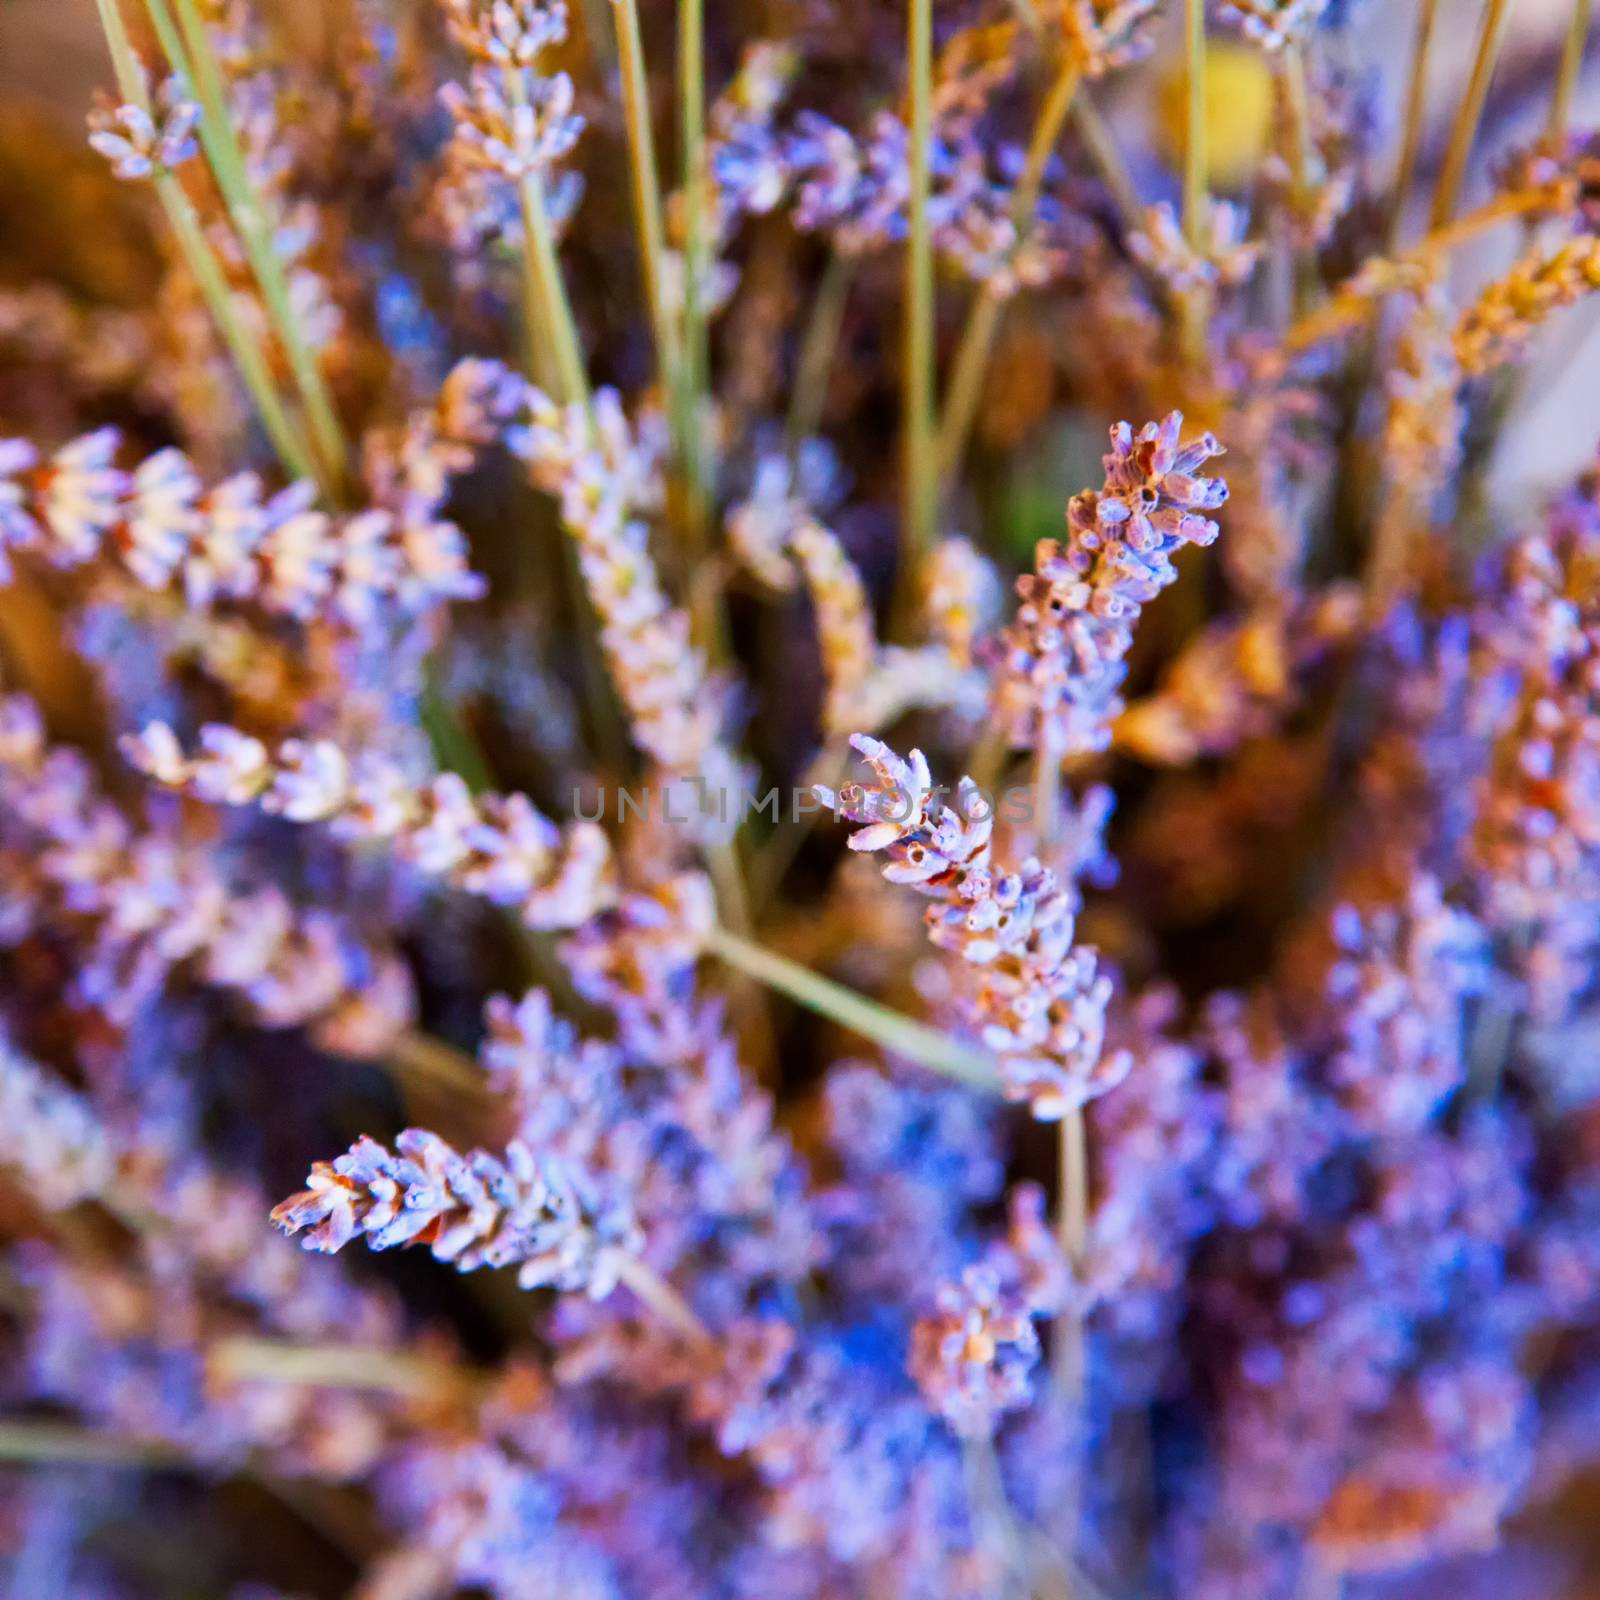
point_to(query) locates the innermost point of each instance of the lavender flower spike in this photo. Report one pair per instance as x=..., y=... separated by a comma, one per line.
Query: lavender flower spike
x=498, y=846
x=474, y=1210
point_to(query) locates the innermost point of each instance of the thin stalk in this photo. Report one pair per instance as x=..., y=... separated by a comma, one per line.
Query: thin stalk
x=1298, y=105
x=241, y=341
x=421, y=1055
x=1416, y=104
x=783, y=846
x=983, y=321
x=250, y=218
x=1072, y=1222
x=64, y=1444
x=896, y=1033
x=205, y=268
x=123, y=61
x=695, y=364
x=451, y=740
x=967, y=374
x=994, y=1527
x=1195, y=169
x=1570, y=70
x=818, y=346
x=547, y=308
x=733, y=906
x=1102, y=147
x=662, y=1299
x=642, y=176
x=1490, y=36
x=340, y=1366
x=550, y=290
x=921, y=481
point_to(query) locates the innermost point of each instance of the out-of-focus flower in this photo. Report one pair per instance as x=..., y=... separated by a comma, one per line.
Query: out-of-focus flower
x=972, y=1358
x=139, y=143
x=498, y=846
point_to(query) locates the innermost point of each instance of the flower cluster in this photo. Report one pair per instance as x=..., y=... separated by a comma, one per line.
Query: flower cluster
x=139, y=142
x=1041, y=1001
x=233, y=541
x=474, y=1210
x=1067, y=650
x=142, y=905
x=498, y=846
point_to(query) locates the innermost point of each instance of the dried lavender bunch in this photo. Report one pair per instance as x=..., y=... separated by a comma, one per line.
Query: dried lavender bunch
x=470, y=473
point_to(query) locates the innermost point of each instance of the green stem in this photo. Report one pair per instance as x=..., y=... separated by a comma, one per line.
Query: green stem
x=695, y=364
x=556, y=319
x=817, y=349
x=251, y=219
x=967, y=373
x=241, y=341
x=642, y=176
x=1195, y=169
x=1454, y=170
x=64, y=1444
x=123, y=61
x=207, y=271
x=1570, y=70
x=1416, y=105
x=921, y=466
x=983, y=321
x=898, y=1034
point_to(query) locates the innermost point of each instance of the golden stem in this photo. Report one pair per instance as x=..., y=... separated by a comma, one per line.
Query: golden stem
x=1570, y=70
x=1416, y=105
x=1451, y=174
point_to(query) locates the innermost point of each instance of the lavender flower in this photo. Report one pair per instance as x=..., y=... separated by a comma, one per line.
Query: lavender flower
x=474, y=1210
x=1067, y=650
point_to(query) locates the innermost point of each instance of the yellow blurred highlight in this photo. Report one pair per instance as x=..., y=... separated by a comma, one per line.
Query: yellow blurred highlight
x=1238, y=113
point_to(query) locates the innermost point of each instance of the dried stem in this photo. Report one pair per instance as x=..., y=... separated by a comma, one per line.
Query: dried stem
x=1570, y=70
x=1491, y=34
x=241, y=341
x=993, y=1524
x=1297, y=104
x=898, y=1034
x=338, y=1366
x=421, y=1055
x=549, y=308
x=1416, y=106
x=1346, y=309
x=733, y=906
